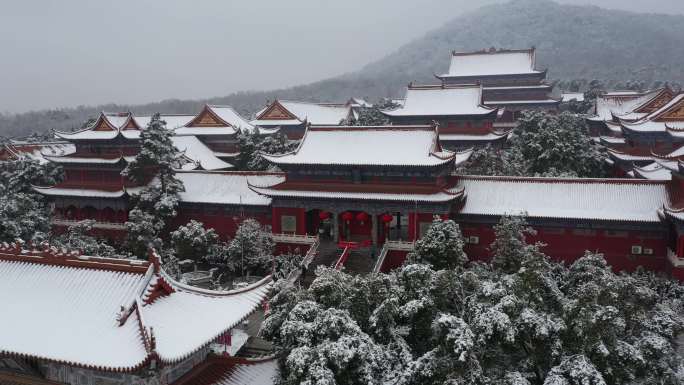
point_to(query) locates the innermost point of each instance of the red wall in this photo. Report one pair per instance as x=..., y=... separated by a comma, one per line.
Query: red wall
x=393, y=260
x=224, y=224
x=299, y=213
x=566, y=245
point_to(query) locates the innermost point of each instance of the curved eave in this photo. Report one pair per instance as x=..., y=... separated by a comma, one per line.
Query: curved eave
x=482, y=76
x=264, y=283
x=438, y=163
x=77, y=160
x=445, y=196
x=83, y=193
x=396, y=113
x=78, y=135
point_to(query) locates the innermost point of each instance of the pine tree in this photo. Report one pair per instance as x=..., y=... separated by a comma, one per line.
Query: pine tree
x=154, y=167
x=441, y=246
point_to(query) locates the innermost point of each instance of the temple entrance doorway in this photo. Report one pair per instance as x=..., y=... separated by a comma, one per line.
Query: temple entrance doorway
x=356, y=227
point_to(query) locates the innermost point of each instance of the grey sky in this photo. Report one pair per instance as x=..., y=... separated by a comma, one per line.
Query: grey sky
x=71, y=52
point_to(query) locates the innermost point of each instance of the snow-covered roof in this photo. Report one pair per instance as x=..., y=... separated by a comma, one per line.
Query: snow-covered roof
x=624, y=104
x=568, y=96
x=223, y=120
x=492, y=63
x=659, y=170
x=371, y=146
x=198, y=152
x=256, y=373
x=81, y=192
x=521, y=101
x=39, y=151
x=109, y=314
x=230, y=188
x=232, y=371
x=654, y=121
x=474, y=137
x=597, y=199
x=296, y=112
x=365, y=192
x=442, y=100
x=630, y=155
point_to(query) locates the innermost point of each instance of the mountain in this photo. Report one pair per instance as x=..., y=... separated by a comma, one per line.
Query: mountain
x=573, y=42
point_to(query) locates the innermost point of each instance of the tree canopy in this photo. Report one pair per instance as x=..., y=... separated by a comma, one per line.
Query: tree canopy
x=527, y=321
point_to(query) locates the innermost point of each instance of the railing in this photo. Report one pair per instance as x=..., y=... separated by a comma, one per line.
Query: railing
x=295, y=238
x=674, y=259
x=343, y=258
x=386, y=248
x=308, y=257
x=96, y=224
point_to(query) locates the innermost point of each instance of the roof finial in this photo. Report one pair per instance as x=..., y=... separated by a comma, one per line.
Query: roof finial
x=154, y=259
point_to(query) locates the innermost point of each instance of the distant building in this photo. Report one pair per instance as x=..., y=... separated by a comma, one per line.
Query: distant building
x=464, y=121
x=94, y=187
x=291, y=117
x=643, y=132
x=509, y=77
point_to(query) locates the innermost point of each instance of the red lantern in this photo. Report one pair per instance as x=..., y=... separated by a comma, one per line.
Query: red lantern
x=387, y=218
x=324, y=215
x=362, y=217
x=347, y=216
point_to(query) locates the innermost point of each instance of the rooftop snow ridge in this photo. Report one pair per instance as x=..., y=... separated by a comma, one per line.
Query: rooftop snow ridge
x=50, y=255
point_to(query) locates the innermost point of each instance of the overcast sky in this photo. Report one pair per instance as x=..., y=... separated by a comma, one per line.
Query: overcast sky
x=57, y=53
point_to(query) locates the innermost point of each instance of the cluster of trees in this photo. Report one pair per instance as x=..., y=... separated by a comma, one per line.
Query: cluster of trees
x=543, y=144
x=253, y=145
x=521, y=319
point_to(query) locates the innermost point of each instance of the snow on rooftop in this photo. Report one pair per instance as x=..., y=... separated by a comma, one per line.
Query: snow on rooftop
x=315, y=113
x=69, y=314
x=613, y=200
x=446, y=195
x=188, y=319
x=491, y=63
x=442, y=101
x=256, y=373
x=623, y=104
x=374, y=146
x=225, y=188
x=105, y=313
x=197, y=151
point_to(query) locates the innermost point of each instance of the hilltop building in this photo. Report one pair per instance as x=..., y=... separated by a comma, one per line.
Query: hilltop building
x=73, y=319
x=509, y=77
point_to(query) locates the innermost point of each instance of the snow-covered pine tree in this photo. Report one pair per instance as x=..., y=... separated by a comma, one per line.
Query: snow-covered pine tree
x=193, y=241
x=441, y=246
x=154, y=167
x=252, y=248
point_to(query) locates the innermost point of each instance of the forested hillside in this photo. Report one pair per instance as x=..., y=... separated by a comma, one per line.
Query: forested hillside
x=574, y=42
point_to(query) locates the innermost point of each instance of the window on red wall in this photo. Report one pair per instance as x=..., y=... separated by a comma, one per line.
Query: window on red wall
x=615, y=234
x=584, y=232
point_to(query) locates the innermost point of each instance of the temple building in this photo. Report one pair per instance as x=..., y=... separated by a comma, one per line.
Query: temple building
x=509, y=77
x=363, y=184
x=291, y=117
x=652, y=132
x=464, y=121
x=375, y=190
x=94, y=187
x=73, y=319
x=15, y=150
x=612, y=107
